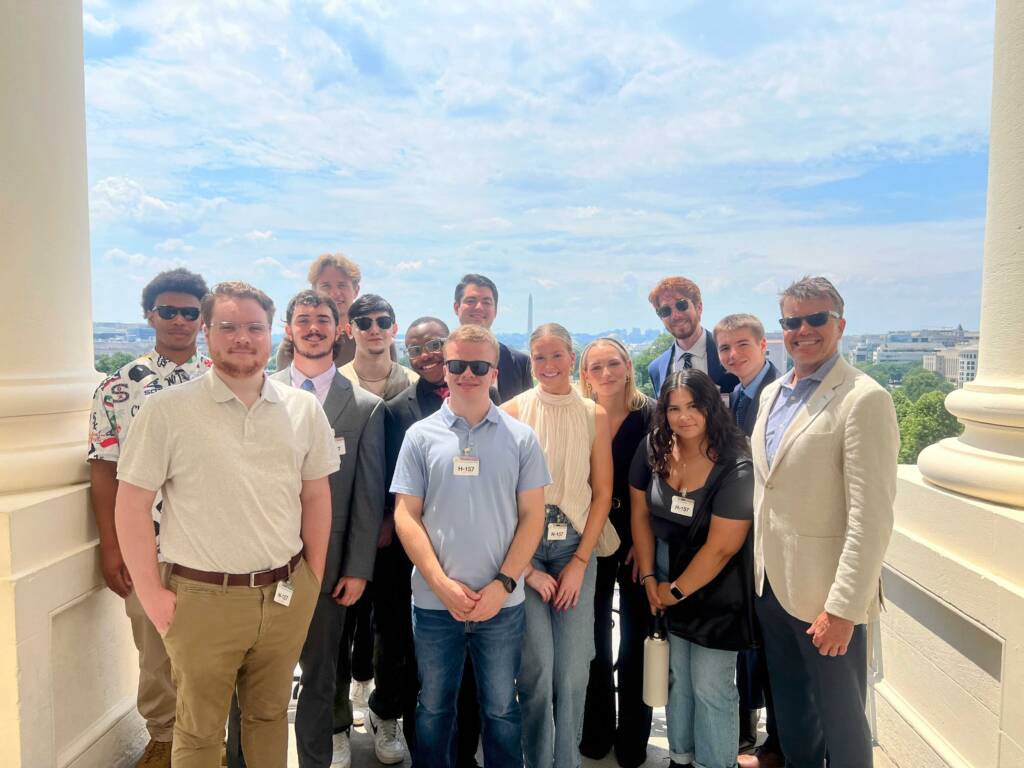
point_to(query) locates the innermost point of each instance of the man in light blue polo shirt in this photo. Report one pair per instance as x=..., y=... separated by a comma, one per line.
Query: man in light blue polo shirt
x=469, y=510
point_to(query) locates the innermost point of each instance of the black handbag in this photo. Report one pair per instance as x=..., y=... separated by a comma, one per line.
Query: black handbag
x=720, y=614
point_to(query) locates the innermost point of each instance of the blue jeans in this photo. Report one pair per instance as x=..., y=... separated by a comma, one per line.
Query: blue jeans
x=703, y=728
x=556, y=659
x=495, y=646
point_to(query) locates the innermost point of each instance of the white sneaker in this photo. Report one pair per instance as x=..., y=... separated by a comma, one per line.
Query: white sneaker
x=387, y=740
x=359, y=693
x=342, y=755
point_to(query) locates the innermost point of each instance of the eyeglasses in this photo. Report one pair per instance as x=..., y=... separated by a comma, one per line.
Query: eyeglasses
x=365, y=323
x=231, y=329
x=169, y=312
x=666, y=309
x=478, y=367
x=816, y=320
x=434, y=345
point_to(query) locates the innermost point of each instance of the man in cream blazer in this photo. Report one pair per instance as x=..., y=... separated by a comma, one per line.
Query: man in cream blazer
x=824, y=450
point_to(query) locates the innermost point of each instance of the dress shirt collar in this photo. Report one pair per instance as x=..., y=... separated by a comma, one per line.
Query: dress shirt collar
x=699, y=348
x=450, y=418
x=222, y=392
x=751, y=390
x=817, y=377
x=321, y=383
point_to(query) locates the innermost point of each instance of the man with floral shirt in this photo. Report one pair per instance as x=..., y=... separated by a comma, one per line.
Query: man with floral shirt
x=170, y=304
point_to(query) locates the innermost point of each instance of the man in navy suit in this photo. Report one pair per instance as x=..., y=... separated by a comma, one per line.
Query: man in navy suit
x=677, y=302
x=742, y=350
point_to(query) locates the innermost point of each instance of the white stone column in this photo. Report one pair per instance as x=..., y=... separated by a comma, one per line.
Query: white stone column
x=67, y=665
x=987, y=460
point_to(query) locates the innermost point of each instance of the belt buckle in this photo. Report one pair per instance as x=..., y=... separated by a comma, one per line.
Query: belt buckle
x=254, y=574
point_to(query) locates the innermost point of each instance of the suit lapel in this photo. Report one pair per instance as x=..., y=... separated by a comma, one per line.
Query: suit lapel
x=338, y=398
x=824, y=394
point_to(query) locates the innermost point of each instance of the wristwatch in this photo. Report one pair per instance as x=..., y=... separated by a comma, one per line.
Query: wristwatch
x=507, y=582
x=677, y=593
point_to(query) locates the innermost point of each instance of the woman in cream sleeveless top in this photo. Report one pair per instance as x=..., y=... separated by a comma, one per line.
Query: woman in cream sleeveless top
x=559, y=642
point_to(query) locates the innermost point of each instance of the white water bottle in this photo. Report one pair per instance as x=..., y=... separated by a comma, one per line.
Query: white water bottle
x=656, y=667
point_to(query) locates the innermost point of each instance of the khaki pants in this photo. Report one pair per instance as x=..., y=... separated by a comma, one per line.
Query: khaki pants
x=156, y=700
x=221, y=637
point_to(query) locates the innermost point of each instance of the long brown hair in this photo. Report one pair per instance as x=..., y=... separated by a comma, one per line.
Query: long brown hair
x=724, y=439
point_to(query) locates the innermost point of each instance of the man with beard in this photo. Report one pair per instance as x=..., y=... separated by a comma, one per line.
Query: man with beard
x=677, y=301
x=242, y=463
x=171, y=305
x=357, y=499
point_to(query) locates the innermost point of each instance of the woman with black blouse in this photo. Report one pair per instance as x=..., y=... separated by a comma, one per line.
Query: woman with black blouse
x=692, y=507
x=606, y=375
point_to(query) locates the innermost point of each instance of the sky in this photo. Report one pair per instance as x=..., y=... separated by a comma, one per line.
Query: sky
x=575, y=151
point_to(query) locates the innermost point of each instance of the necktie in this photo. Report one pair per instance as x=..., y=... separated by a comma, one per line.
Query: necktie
x=687, y=360
x=308, y=386
x=740, y=409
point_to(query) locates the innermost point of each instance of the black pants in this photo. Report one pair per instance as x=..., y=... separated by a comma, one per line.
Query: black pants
x=394, y=657
x=600, y=733
x=819, y=700
x=314, y=717
x=755, y=691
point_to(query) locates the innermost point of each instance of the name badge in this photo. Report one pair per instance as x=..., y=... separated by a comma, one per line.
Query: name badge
x=681, y=505
x=466, y=466
x=339, y=444
x=284, y=593
x=557, y=531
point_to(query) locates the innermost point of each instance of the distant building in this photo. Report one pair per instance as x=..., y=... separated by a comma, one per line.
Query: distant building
x=957, y=365
x=903, y=352
x=777, y=351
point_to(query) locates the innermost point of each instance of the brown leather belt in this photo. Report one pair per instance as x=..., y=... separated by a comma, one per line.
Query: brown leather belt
x=256, y=579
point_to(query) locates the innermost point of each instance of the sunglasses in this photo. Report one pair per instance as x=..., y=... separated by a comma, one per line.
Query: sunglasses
x=666, y=309
x=478, y=367
x=167, y=312
x=365, y=323
x=435, y=345
x=816, y=320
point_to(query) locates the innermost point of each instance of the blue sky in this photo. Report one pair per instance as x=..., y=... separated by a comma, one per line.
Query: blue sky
x=577, y=151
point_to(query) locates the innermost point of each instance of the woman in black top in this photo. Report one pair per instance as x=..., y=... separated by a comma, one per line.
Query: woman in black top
x=692, y=508
x=606, y=375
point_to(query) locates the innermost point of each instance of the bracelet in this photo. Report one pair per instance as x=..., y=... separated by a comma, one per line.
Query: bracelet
x=643, y=579
x=585, y=562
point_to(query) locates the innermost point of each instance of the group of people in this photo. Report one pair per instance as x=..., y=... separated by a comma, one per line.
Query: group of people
x=470, y=516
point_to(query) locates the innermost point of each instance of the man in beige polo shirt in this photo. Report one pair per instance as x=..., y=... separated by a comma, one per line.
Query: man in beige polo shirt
x=242, y=463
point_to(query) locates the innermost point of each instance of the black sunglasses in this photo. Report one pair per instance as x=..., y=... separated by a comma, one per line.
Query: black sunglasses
x=434, y=345
x=478, y=367
x=168, y=312
x=816, y=320
x=365, y=323
x=666, y=309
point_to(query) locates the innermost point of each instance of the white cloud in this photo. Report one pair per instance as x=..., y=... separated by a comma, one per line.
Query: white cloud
x=100, y=28
x=275, y=266
x=174, y=244
x=119, y=198
x=118, y=256
x=409, y=266
x=257, y=236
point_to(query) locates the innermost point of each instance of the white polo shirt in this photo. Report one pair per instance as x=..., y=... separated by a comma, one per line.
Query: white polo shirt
x=230, y=475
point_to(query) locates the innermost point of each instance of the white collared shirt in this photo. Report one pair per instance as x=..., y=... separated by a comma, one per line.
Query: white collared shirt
x=322, y=383
x=699, y=352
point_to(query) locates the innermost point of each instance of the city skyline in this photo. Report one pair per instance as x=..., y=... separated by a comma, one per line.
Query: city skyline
x=575, y=153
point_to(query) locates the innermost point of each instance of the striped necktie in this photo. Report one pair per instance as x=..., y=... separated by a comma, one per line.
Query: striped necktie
x=687, y=360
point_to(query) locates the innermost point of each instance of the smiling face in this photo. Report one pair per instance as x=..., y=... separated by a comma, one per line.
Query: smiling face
x=177, y=335
x=552, y=364
x=683, y=325
x=338, y=286
x=241, y=348
x=467, y=388
x=477, y=306
x=428, y=364
x=740, y=353
x=313, y=331
x=606, y=372
x=685, y=419
x=810, y=347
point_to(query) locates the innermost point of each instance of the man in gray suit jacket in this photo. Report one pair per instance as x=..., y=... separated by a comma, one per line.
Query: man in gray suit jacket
x=357, y=502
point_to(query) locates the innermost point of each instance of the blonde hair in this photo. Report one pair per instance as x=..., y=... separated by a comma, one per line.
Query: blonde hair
x=340, y=262
x=552, y=329
x=473, y=334
x=738, y=322
x=635, y=399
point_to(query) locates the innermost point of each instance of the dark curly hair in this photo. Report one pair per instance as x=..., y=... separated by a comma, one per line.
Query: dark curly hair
x=178, y=280
x=725, y=441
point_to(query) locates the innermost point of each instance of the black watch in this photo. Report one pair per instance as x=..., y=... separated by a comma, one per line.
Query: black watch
x=507, y=582
x=677, y=593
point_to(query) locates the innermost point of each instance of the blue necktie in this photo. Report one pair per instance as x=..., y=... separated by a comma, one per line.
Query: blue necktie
x=308, y=386
x=742, y=404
